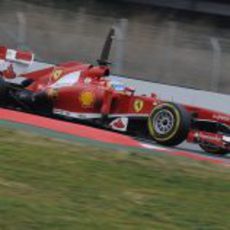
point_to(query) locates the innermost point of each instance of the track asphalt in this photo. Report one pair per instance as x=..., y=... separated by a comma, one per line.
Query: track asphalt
x=85, y=134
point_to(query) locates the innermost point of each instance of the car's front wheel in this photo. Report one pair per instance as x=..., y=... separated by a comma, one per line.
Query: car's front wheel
x=169, y=124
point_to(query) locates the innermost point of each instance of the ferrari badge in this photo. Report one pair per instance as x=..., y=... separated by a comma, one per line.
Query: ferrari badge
x=57, y=74
x=138, y=105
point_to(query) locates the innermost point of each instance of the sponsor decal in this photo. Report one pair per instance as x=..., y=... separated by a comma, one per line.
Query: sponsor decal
x=119, y=124
x=57, y=74
x=138, y=105
x=87, y=99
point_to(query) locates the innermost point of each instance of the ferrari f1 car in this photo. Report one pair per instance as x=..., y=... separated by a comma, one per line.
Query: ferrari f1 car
x=82, y=92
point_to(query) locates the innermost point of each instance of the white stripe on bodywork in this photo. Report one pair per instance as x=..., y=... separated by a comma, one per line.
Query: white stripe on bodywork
x=93, y=115
x=76, y=115
x=67, y=80
x=145, y=115
x=226, y=139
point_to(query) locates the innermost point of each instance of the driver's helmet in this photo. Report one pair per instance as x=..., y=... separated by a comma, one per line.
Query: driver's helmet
x=117, y=85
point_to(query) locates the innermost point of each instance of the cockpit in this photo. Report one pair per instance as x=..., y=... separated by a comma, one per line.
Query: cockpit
x=117, y=85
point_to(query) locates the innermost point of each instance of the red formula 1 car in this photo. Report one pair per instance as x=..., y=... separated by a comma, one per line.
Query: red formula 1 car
x=83, y=92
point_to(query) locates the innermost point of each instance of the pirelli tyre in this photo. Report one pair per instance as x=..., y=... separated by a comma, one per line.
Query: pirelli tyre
x=209, y=148
x=169, y=124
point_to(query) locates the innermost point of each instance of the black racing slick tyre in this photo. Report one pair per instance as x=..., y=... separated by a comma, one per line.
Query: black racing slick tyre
x=212, y=149
x=169, y=124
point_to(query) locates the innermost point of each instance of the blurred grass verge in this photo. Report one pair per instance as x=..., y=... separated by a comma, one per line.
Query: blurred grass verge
x=51, y=184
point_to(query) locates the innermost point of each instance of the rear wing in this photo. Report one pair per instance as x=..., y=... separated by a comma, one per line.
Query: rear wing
x=16, y=56
x=18, y=60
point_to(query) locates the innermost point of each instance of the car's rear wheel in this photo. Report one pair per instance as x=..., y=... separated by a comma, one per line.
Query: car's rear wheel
x=169, y=124
x=210, y=148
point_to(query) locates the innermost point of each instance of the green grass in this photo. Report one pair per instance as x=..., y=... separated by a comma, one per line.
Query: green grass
x=48, y=184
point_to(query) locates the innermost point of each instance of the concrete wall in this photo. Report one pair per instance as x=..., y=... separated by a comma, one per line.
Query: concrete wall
x=157, y=45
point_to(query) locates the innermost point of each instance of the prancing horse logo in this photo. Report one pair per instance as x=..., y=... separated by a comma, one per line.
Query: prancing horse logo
x=138, y=105
x=57, y=74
